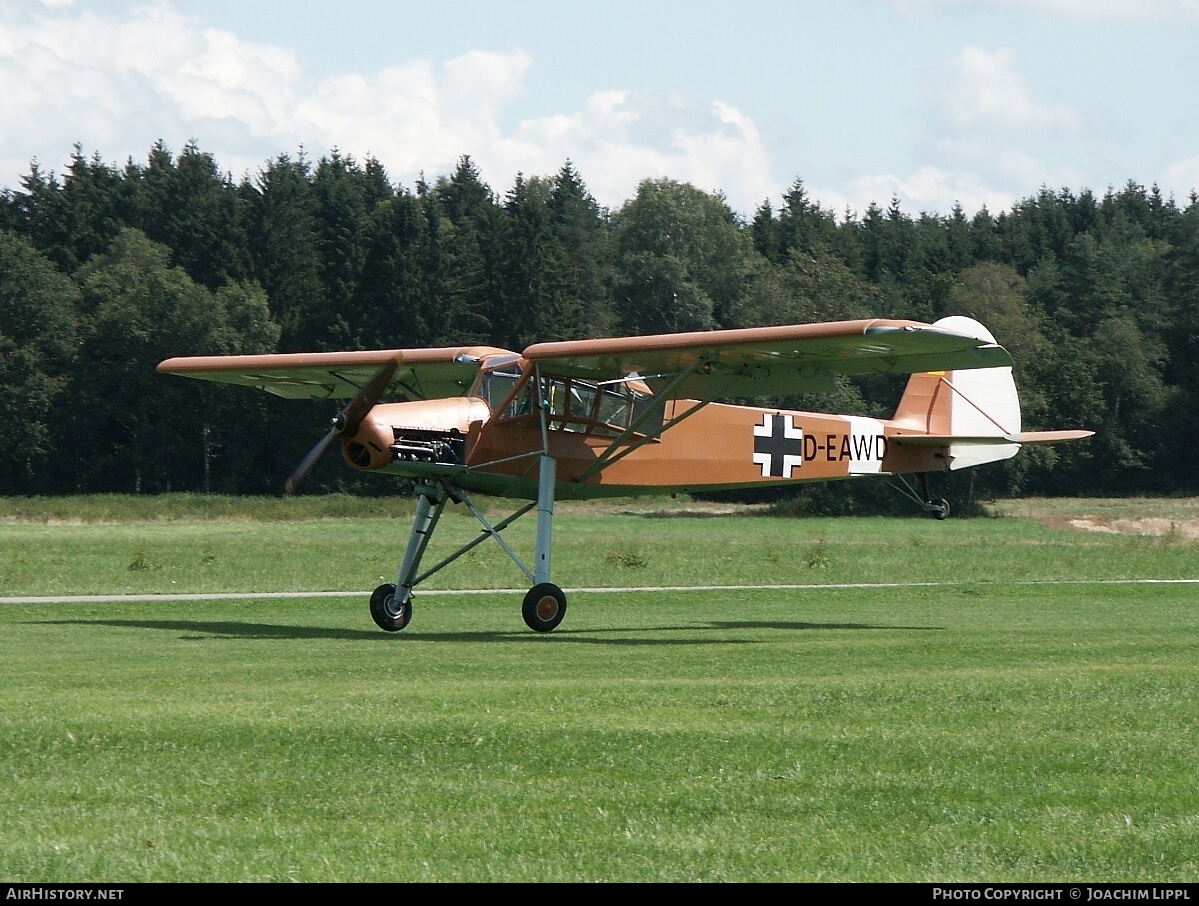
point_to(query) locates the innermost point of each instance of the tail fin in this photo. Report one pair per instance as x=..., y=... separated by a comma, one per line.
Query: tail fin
x=975, y=413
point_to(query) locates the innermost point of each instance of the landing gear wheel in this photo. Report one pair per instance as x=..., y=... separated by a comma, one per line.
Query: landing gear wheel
x=387, y=614
x=940, y=509
x=544, y=607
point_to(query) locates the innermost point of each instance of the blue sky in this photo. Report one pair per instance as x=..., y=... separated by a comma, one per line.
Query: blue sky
x=979, y=102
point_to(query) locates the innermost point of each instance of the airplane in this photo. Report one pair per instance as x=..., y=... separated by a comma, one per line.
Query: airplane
x=639, y=415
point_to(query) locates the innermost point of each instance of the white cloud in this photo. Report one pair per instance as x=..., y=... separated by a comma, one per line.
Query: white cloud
x=1182, y=178
x=930, y=189
x=117, y=83
x=225, y=78
x=1025, y=169
x=619, y=139
x=982, y=91
x=414, y=116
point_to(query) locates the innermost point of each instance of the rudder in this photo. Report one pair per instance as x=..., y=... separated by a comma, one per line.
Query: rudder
x=973, y=410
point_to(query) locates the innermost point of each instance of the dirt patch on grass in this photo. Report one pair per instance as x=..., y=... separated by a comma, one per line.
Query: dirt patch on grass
x=1167, y=517
x=1172, y=528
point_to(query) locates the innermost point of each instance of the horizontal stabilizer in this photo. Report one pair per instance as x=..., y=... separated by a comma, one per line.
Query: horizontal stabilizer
x=1050, y=437
x=944, y=440
x=1024, y=437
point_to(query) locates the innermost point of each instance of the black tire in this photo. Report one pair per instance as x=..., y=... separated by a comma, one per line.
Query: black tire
x=387, y=615
x=544, y=607
x=942, y=509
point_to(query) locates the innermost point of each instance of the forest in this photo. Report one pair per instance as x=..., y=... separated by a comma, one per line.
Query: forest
x=106, y=270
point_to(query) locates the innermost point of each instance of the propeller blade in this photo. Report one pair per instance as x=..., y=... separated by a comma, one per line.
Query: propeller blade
x=362, y=403
x=346, y=422
x=306, y=464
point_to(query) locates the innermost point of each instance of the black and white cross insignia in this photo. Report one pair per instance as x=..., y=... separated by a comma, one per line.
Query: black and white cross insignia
x=778, y=445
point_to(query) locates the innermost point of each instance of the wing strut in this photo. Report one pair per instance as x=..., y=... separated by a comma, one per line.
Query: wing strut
x=621, y=443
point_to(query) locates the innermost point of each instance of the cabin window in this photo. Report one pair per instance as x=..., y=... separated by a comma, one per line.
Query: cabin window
x=588, y=407
x=496, y=385
x=614, y=406
x=571, y=404
x=568, y=403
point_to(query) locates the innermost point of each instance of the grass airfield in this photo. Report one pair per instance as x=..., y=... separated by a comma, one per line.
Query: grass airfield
x=1020, y=708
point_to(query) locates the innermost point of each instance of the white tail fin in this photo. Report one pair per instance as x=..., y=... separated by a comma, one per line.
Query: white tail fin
x=975, y=413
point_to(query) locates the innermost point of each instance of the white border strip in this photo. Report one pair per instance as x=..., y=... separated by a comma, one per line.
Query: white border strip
x=266, y=595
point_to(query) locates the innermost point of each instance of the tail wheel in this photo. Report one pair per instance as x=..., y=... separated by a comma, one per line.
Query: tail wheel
x=544, y=607
x=387, y=614
x=941, y=509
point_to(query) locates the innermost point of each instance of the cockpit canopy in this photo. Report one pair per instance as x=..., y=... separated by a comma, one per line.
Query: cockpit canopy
x=571, y=404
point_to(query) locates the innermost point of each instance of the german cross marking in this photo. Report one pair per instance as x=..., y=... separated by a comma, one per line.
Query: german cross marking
x=778, y=445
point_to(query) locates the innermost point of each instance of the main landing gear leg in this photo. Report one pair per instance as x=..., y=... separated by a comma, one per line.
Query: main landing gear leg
x=545, y=604
x=391, y=605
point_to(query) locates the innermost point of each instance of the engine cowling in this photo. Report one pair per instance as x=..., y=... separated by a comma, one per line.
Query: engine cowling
x=419, y=431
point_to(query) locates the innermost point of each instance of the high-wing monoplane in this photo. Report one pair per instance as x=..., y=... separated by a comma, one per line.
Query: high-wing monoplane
x=639, y=415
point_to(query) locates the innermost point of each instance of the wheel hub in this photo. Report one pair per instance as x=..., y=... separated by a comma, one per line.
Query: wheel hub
x=547, y=607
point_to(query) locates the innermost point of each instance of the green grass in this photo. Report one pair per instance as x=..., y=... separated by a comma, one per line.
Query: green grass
x=269, y=545
x=991, y=729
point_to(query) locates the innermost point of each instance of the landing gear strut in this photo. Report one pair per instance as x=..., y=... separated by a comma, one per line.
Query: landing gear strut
x=544, y=605
x=938, y=509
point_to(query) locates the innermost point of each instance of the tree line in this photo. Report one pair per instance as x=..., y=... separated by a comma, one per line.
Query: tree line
x=106, y=270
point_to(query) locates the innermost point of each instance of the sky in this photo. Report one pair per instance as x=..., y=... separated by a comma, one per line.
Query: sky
x=932, y=102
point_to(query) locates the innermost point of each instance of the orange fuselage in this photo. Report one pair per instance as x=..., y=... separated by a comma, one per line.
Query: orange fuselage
x=719, y=446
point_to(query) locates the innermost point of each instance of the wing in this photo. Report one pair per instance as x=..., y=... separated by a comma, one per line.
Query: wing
x=768, y=360
x=420, y=373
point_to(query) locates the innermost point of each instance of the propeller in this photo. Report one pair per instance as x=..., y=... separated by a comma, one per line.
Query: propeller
x=345, y=423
